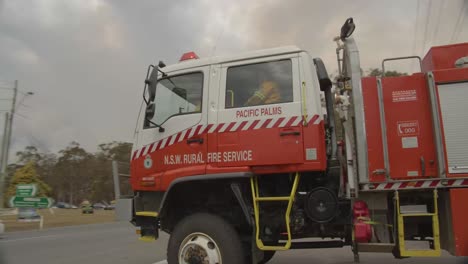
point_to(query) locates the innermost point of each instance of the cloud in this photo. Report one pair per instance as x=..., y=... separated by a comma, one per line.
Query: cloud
x=86, y=60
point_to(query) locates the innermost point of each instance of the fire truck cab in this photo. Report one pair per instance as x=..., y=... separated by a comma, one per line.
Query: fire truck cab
x=238, y=157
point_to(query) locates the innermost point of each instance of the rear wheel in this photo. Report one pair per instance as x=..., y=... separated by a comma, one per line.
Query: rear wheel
x=267, y=256
x=204, y=239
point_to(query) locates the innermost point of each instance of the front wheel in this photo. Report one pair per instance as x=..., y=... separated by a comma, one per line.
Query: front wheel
x=204, y=239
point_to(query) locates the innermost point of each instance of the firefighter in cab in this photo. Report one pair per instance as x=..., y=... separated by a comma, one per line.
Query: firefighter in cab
x=268, y=93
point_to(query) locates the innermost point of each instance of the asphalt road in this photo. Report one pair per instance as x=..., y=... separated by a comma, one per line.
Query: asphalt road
x=117, y=243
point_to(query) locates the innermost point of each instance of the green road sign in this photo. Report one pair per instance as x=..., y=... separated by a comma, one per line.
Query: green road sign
x=26, y=190
x=31, y=202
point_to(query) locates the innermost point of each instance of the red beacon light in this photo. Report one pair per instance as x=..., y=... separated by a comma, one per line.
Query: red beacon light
x=189, y=56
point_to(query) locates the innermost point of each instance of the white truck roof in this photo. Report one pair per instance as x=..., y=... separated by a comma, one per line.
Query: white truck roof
x=225, y=59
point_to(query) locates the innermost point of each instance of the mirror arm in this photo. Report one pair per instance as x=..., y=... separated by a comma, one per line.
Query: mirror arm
x=161, y=129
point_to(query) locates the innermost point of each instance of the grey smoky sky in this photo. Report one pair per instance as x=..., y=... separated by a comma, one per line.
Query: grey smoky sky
x=86, y=60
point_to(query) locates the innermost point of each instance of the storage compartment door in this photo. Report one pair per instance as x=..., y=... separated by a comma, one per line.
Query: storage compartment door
x=453, y=100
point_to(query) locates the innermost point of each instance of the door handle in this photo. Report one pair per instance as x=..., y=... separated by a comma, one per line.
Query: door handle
x=290, y=133
x=195, y=140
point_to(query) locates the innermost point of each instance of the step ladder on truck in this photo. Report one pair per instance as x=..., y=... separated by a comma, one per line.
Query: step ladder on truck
x=235, y=158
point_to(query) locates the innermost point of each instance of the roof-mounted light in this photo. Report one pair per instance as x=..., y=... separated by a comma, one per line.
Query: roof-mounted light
x=189, y=56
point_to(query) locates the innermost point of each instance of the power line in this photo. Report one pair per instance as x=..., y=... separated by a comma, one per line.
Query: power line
x=439, y=14
x=426, y=26
x=458, y=26
x=416, y=27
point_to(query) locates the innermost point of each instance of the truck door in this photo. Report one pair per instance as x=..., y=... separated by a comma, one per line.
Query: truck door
x=179, y=146
x=259, y=113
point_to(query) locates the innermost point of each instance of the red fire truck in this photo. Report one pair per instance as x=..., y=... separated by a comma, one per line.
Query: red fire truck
x=239, y=157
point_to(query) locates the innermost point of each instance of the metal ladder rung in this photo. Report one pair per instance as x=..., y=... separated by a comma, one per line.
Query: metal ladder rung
x=272, y=199
x=416, y=214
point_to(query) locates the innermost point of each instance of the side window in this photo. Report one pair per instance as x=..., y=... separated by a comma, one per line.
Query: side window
x=259, y=84
x=178, y=95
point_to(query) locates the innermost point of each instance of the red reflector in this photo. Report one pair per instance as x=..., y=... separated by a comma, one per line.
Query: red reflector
x=189, y=56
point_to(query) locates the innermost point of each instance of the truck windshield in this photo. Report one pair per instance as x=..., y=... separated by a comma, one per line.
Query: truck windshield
x=177, y=95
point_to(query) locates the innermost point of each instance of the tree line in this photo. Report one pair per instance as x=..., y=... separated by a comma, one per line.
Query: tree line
x=72, y=175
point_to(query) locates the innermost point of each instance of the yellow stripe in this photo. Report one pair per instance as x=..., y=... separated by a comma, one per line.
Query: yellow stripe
x=147, y=239
x=147, y=213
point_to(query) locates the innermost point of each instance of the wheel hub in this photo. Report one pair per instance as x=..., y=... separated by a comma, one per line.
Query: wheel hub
x=199, y=248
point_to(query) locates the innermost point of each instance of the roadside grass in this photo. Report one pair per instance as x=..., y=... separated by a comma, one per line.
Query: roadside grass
x=58, y=218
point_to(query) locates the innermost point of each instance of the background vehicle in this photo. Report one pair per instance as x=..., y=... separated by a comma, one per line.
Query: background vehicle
x=99, y=206
x=64, y=205
x=28, y=214
x=87, y=209
x=235, y=159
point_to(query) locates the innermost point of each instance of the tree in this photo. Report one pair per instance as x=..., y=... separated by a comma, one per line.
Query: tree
x=30, y=153
x=27, y=175
x=73, y=173
x=376, y=72
x=103, y=188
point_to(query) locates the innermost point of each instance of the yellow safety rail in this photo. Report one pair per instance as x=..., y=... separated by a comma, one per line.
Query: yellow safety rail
x=436, y=252
x=256, y=199
x=304, y=104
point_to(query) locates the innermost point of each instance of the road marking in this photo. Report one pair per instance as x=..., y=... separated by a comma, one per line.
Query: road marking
x=161, y=262
x=27, y=238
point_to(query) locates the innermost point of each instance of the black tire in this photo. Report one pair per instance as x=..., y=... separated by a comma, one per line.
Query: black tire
x=267, y=256
x=220, y=231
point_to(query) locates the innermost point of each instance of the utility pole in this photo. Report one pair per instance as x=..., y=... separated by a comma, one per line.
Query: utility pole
x=6, y=143
x=2, y=155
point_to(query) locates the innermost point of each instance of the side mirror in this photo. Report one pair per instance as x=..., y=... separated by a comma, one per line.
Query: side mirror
x=151, y=82
x=149, y=113
x=347, y=29
x=324, y=80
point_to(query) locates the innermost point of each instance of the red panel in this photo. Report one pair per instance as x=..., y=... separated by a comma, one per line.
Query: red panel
x=444, y=57
x=458, y=198
x=261, y=151
x=373, y=129
x=409, y=127
x=452, y=75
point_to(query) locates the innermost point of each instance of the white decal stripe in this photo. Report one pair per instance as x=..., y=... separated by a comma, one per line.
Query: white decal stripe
x=146, y=150
x=234, y=128
x=153, y=149
x=317, y=121
x=396, y=186
x=458, y=182
x=138, y=153
x=273, y=122
x=247, y=126
x=311, y=117
x=380, y=187
x=297, y=121
x=260, y=124
x=285, y=121
x=172, y=139
x=224, y=127
x=192, y=132
x=212, y=129
x=163, y=143
x=203, y=127
x=182, y=135
x=426, y=184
